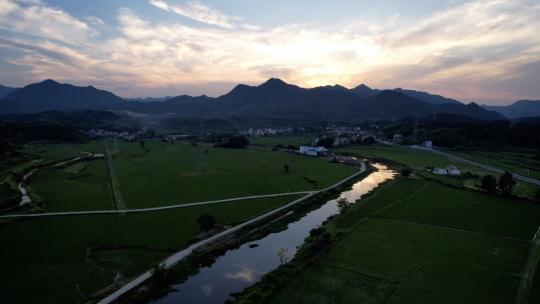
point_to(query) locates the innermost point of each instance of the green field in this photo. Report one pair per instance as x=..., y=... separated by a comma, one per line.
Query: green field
x=520, y=161
x=166, y=174
x=169, y=173
x=272, y=141
x=78, y=187
x=419, y=160
x=65, y=259
x=415, y=241
x=55, y=151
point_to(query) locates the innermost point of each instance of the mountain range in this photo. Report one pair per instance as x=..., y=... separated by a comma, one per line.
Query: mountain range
x=272, y=99
x=519, y=109
x=5, y=90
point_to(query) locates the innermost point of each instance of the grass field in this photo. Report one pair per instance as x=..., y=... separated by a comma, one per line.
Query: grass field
x=169, y=174
x=65, y=259
x=415, y=241
x=78, y=187
x=520, y=161
x=53, y=151
x=419, y=160
x=166, y=174
x=272, y=141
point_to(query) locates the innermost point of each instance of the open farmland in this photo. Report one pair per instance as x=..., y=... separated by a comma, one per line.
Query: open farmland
x=77, y=187
x=166, y=174
x=408, y=243
x=520, y=161
x=419, y=160
x=271, y=141
x=66, y=259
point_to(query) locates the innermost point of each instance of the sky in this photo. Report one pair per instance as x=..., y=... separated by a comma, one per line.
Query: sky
x=486, y=51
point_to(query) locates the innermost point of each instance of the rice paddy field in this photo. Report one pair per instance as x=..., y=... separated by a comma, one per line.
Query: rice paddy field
x=520, y=161
x=165, y=174
x=417, y=241
x=73, y=258
x=419, y=160
x=68, y=259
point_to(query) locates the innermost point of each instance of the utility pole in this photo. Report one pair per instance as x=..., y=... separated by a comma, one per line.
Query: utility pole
x=203, y=153
x=415, y=129
x=115, y=149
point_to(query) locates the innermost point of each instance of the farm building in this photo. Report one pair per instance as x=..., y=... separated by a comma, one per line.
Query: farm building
x=450, y=170
x=427, y=144
x=312, y=151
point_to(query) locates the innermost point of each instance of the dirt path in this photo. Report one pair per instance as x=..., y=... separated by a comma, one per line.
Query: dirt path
x=529, y=271
x=119, y=203
x=140, y=210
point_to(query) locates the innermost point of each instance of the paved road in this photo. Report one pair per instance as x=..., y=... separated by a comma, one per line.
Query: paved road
x=97, y=212
x=180, y=255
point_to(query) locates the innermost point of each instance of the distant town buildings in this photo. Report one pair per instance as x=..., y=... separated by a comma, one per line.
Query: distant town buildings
x=265, y=132
x=312, y=151
x=93, y=133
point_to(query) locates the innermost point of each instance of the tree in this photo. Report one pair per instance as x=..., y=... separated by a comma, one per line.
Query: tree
x=537, y=195
x=286, y=168
x=368, y=140
x=537, y=156
x=141, y=143
x=406, y=172
x=342, y=203
x=326, y=142
x=488, y=183
x=235, y=142
x=506, y=183
x=206, y=222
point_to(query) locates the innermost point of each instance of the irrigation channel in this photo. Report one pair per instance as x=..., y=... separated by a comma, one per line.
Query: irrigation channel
x=244, y=266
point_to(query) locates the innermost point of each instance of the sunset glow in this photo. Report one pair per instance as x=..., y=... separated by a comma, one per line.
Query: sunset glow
x=486, y=51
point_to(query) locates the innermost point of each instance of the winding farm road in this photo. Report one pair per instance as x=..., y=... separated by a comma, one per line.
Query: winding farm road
x=180, y=255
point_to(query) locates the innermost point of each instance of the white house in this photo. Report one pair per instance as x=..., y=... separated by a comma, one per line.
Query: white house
x=427, y=144
x=453, y=171
x=312, y=151
x=440, y=171
x=397, y=138
x=450, y=170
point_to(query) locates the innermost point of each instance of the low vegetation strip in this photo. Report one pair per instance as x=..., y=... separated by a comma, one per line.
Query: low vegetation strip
x=141, y=210
x=115, y=186
x=529, y=271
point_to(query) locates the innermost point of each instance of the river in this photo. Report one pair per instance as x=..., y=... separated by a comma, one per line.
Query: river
x=244, y=266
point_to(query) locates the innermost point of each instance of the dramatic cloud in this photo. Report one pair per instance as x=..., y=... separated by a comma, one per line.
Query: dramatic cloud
x=198, y=11
x=95, y=20
x=34, y=18
x=478, y=50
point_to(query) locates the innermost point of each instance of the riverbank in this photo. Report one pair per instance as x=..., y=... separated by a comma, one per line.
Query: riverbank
x=253, y=240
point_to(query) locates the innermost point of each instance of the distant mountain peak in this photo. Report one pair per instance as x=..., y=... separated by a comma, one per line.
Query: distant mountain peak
x=274, y=82
x=49, y=81
x=362, y=86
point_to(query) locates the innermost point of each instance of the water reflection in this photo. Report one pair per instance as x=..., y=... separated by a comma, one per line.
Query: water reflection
x=242, y=267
